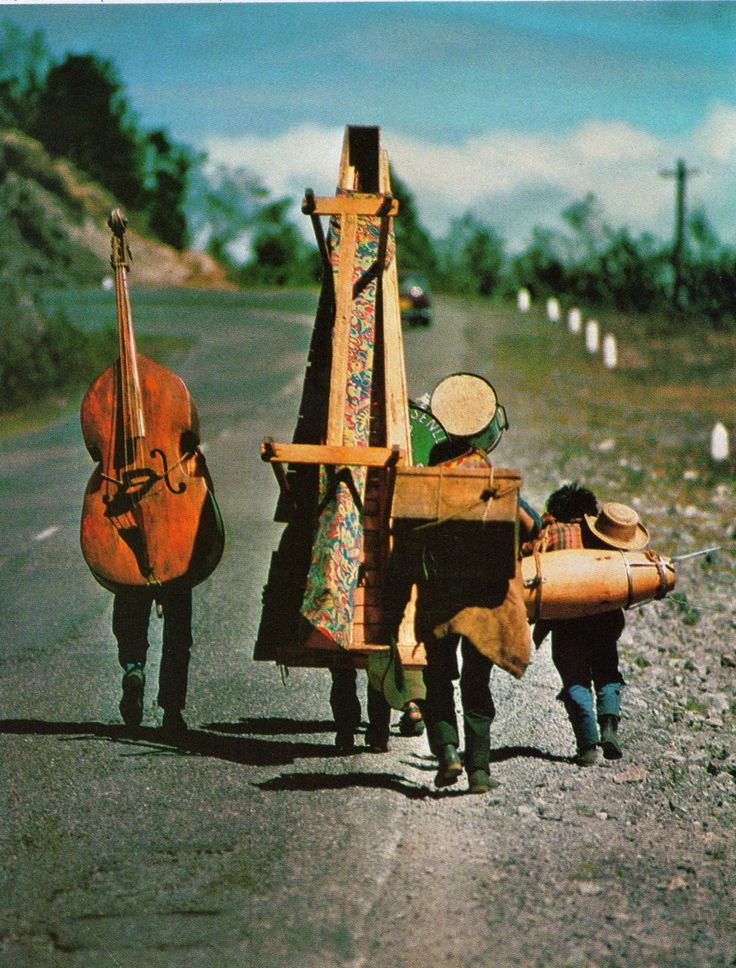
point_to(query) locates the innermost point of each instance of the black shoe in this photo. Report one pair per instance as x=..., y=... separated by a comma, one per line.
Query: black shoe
x=609, y=741
x=450, y=766
x=344, y=743
x=174, y=726
x=411, y=722
x=376, y=740
x=131, y=705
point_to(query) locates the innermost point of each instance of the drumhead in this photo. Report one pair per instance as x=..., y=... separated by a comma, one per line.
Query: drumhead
x=464, y=403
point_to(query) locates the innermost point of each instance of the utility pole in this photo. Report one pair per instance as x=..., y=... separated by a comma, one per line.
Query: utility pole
x=680, y=174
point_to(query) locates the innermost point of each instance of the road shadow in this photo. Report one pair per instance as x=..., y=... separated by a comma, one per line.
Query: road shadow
x=525, y=752
x=147, y=740
x=273, y=726
x=392, y=782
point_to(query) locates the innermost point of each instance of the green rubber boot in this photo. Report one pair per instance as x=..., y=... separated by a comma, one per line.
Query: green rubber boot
x=609, y=740
x=450, y=766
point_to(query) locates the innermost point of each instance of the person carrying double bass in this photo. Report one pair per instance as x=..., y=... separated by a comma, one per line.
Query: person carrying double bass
x=150, y=528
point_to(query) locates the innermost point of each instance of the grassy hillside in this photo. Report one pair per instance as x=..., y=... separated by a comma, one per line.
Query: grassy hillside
x=53, y=233
x=55, y=226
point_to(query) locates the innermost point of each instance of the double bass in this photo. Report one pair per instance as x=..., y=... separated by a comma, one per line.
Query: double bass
x=149, y=516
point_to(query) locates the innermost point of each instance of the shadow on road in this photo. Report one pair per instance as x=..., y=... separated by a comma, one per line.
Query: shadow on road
x=313, y=782
x=274, y=726
x=148, y=740
x=525, y=752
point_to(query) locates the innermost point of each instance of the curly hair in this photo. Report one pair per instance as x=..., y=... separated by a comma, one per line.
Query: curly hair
x=571, y=501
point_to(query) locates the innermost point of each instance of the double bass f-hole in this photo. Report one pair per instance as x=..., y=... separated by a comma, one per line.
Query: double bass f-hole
x=136, y=482
x=167, y=470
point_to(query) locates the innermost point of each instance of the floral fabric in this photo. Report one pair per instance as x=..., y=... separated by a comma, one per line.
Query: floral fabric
x=336, y=551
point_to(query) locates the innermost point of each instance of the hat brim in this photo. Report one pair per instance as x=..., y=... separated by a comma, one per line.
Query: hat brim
x=638, y=542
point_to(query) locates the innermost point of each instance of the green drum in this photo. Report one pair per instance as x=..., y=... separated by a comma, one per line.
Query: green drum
x=467, y=407
x=430, y=443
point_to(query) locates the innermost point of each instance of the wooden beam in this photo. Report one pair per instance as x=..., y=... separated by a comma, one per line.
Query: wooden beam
x=330, y=455
x=374, y=206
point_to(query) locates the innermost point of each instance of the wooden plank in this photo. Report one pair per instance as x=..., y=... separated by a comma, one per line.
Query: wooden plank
x=373, y=206
x=412, y=656
x=332, y=455
x=395, y=387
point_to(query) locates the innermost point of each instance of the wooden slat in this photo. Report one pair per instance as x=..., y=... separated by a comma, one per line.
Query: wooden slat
x=332, y=455
x=412, y=656
x=367, y=615
x=374, y=206
x=395, y=389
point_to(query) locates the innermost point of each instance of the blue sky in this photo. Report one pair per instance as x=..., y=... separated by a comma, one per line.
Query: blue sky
x=510, y=109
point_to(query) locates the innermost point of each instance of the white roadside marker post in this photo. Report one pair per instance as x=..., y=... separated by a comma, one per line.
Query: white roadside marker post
x=592, y=336
x=719, y=445
x=610, y=352
x=553, y=310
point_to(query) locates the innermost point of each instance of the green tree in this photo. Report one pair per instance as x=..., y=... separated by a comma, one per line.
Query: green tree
x=82, y=115
x=279, y=254
x=471, y=257
x=24, y=60
x=221, y=207
x=414, y=246
x=540, y=267
x=167, y=176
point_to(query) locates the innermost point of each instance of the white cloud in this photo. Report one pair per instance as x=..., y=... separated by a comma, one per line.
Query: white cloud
x=513, y=178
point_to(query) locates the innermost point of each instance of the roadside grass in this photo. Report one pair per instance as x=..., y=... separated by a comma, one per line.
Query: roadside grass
x=642, y=430
x=168, y=322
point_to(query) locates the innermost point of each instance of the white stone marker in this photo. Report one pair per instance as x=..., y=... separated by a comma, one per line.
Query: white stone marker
x=610, y=352
x=719, y=448
x=553, y=310
x=592, y=336
x=574, y=320
x=524, y=300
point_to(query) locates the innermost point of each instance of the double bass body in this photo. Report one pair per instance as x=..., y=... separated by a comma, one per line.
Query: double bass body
x=149, y=517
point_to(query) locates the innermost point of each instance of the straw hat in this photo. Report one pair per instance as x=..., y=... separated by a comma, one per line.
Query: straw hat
x=618, y=526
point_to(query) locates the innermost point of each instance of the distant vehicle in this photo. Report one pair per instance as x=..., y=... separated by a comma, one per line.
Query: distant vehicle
x=414, y=300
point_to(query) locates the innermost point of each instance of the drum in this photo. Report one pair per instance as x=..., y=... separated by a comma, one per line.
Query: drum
x=467, y=407
x=430, y=443
x=581, y=581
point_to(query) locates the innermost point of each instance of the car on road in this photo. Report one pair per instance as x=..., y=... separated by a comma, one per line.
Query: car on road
x=415, y=301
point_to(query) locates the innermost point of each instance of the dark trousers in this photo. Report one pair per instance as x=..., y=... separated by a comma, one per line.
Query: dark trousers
x=131, y=613
x=585, y=654
x=346, y=710
x=475, y=693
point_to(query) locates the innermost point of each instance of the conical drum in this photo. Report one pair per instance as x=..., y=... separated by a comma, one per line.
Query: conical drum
x=577, y=582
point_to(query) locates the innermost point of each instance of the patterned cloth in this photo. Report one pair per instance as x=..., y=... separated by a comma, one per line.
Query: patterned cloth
x=559, y=536
x=333, y=574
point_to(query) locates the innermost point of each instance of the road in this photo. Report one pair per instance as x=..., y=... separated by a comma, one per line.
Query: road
x=252, y=844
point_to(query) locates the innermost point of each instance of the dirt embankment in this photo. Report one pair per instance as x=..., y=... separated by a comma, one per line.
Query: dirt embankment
x=62, y=217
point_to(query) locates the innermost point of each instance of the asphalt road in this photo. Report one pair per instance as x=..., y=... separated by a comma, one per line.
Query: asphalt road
x=252, y=844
